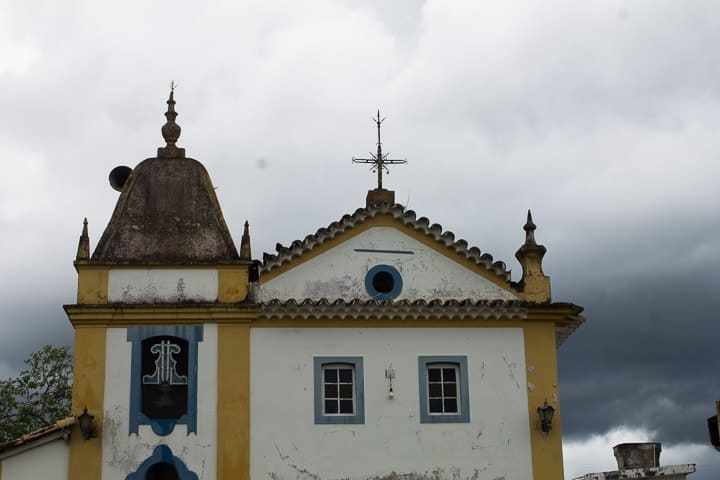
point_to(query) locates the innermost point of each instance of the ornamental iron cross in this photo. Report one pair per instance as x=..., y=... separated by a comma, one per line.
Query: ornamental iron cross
x=379, y=160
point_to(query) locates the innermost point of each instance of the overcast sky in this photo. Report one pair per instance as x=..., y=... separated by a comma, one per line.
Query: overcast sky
x=601, y=116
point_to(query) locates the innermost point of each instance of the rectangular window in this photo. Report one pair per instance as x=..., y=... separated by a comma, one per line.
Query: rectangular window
x=338, y=389
x=339, y=396
x=443, y=389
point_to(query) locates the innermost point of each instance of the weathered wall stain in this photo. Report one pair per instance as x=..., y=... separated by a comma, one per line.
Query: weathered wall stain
x=511, y=366
x=452, y=473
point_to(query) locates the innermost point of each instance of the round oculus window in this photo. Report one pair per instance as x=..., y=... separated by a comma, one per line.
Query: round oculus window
x=383, y=282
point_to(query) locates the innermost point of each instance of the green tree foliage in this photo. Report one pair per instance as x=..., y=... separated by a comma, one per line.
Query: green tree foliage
x=39, y=396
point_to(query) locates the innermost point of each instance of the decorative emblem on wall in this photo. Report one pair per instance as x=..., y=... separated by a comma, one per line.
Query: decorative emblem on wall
x=165, y=365
x=164, y=379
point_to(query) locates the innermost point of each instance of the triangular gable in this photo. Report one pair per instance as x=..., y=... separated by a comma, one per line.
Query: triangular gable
x=335, y=262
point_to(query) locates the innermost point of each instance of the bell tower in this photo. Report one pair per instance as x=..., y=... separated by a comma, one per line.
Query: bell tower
x=160, y=322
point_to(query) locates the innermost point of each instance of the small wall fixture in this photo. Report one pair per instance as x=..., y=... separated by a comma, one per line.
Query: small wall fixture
x=390, y=374
x=87, y=424
x=546, y=414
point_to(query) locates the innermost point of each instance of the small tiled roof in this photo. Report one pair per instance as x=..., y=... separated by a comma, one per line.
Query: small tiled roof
x=38, y=435
x=364, y=309
x=408, y=217
x=393, y=309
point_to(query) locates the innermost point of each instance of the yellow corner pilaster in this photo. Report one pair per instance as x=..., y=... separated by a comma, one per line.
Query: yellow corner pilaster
x=535, y=289
x=92, y=286
x=541, y=362
x=232, y=284
x=233, y=412
x=88, y=391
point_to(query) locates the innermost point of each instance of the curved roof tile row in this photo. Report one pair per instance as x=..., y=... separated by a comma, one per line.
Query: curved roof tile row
x=358, y=309
x=361, y=309
x=408, y=217
x=405, y=302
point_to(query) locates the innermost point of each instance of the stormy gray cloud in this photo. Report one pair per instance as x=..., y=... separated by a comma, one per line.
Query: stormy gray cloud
x=603, y=117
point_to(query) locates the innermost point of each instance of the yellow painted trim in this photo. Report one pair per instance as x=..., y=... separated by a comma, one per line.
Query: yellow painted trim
x=92, y=285
x=125, y=315
x=232, y=284
x=160, y=266
x=386, y=220
x=542, y=378
x=233, y=409
x=85, y=457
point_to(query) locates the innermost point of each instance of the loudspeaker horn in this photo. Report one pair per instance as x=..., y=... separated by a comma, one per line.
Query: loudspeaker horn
x=118, y=177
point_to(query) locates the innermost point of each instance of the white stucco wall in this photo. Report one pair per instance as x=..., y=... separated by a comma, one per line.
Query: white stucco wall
x=47, y=462
x=162, y=285
x=123, y=453
x=286, y=444
x=340, y=272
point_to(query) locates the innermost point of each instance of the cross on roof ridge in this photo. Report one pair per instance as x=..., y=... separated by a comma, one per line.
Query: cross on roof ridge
x=379, y=160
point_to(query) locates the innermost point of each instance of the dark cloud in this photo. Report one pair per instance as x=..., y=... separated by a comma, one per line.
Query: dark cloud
x=647, y=355
x=27, y=326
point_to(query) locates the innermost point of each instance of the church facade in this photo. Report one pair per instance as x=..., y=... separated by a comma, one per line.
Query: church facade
x=378, y=347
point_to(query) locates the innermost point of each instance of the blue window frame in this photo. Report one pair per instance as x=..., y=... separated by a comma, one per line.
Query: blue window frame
x=383, y=282
x=188, y=336
x=161, y=464
x=339, y=390
x=444, y=396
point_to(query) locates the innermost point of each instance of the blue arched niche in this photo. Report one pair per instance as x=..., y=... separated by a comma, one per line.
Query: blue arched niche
x=162, y=454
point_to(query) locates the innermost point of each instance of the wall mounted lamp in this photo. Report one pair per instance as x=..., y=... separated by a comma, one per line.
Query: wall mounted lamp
x=87, y=424
x=390, y=374
x=546, y=414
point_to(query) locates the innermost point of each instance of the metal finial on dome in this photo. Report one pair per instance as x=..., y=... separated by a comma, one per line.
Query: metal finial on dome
x=171, y=130
x=529, y=230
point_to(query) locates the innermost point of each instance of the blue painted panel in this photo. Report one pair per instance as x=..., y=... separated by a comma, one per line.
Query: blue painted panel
x=357, y=364
x=193, y=334
x=459, y=361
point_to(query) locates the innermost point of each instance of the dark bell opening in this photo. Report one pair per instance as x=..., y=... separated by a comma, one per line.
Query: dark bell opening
x=383, y=282
x=162, y=471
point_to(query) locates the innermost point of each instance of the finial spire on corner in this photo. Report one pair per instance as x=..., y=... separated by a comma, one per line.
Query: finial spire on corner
x=171, y=130
x=529, y=230
x=534, y=285
x=245, y=253
x=83, y=251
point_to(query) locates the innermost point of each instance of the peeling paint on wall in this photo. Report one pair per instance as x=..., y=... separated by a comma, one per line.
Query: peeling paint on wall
x=511, y=366
x=134, y=286
x=494, y=444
